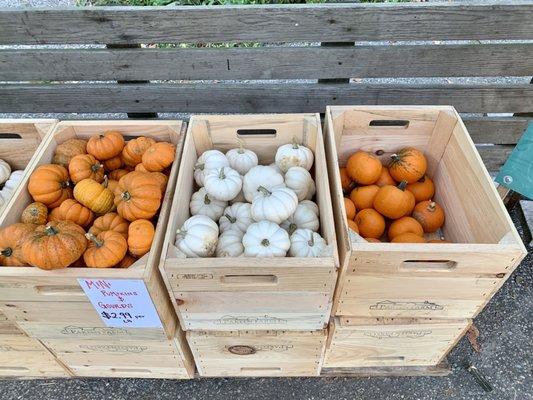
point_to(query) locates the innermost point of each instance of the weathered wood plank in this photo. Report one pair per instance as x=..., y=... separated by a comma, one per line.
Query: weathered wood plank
x=496, y=130
x=272, y=23
x=494, y=156
x=515, y=59
x=441, y=369
x=250, y=98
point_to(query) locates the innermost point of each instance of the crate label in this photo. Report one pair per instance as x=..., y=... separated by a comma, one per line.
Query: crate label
x=405, y=305
x=113, y=348
x=246, y=320
x=93, y=331
x=406, y=334
x=121, y=303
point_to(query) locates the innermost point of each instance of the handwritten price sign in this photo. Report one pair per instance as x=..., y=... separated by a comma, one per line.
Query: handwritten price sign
x=121, y=303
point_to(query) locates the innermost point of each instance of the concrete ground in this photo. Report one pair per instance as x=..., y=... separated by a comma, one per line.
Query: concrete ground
x=506, y=327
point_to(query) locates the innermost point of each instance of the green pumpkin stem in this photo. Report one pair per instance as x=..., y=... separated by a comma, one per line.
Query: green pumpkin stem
x=94, y=239
x=65, y=184
x=264, y=190
x=402, y=185
x=199, y=166
x=207, y=200
x=7, y=252
x=241, y=146
x=126, y=196
x=292, y=228
x=265, y=242
x=50, y=230
x=394, y=158
x=230, y=218
x=311, y=242
x=96, y=167
x=181, y=232
x=221, y=174
x=432, y=206
x=295, y=144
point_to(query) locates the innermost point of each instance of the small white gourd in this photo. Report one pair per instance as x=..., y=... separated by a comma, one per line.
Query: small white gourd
x=294, y=155
x=5, y=171
x=241, y=159
x=230, y=244
x=306, y=243
x=14, y=180
x=197, y=237
x=276, y=204
x=209, y=159
x=300, y=181
x=238, y=216
x=265, y=239
x=222, y=183
x=203, y=204
x=304, y=217
x=260, y=175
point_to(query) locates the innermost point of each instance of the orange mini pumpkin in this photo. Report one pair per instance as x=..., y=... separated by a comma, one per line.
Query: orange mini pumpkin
x=113, y=163
x=353, y=226
x=371, y=223
x=35, y=213
x=11, y=239
x=105, y=250
x=430, y=215
x=385, y=178
x=137, y=196
x=159, y=156
x=133, y=151
x=49, y=184
x=162, y=180
x=364, y=168
x=105, y=146
x=71, y=210
x=85, y=166
x=403, y=225
x=140, y=236
x=363, y=196
x=423, y=189
x=408, y=237
x=350, y=208
x=68, y=149
x=110, y=222
x=141, y=168
x=126, y=262
x=116, y=174
x=393, y=201
x=409, y=164
x=346, y=182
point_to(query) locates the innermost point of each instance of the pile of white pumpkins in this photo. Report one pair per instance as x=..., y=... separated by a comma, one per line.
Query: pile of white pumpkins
x=10, y=181
x=251, y=210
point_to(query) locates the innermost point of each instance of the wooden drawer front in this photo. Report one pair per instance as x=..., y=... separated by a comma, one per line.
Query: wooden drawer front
x=23, y=356
x=254, y=310
x=399, y=296
x=392, y=345
x=33, y=311
x=257, y=353
x=120, y=358
x=41, y=288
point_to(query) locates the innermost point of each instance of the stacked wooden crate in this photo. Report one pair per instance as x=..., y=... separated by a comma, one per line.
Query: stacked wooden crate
x=252, y=316
x=408, y=304
x=52, y=308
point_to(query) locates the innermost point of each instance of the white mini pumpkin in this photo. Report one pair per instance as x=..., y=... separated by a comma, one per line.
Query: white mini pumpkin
x=230, y=244
x=300, y=181
x=197, y=237
x=209, y=159
x=14, y=180
x=222, y=183
x=238, y=216
x=275, y=166
x=276, y=204
x=260, y=175
x=304, y=217
x=204, y=204
x=5, y=171
x=306, y=243
x=241, y=159
x=294, y=155
x=265, y=239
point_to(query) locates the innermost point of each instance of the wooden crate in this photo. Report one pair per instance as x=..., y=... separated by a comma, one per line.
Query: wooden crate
x=22, y=356
x=422, y=280
x=257, y=353
x=250, y=293
x=377, y=342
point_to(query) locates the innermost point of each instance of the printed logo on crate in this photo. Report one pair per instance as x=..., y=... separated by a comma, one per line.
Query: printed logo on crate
x=406, y=334
x=196, y=276
x=113, y=348
x=98, y=331
x=405, y=305
x=245, y=320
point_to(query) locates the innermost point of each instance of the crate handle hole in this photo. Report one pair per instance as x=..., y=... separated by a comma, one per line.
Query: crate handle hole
x=259, y=133
x=389, y=123
x=386, y=358
x=249, y=280
x=59, y=290
x=428, y=265
x=13, y=369
x=10, y=136
x=242, y=350
x=261, y=370
x=131, y=370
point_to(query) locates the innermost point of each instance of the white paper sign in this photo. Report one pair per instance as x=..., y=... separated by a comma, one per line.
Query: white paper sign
x=121, y=303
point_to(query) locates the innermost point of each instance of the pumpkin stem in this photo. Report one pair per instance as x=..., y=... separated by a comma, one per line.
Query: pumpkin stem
x=65, y=184
x=207, y=200
x=50, y=230
x=199, y=166
x=394, y=158
x=230, y=218
x=106, y=181
x=295, y=144
x=265, y=242
x=241, y=146
x=96, y=167
x=94, y=239
x=264, y=190
x=181, y=232
x=402, y=185
x=432, y=206
x=311, y=242
x=126, y=196
x=221, y=174
x=423, y=179
x=6, y=252
x=292, y=228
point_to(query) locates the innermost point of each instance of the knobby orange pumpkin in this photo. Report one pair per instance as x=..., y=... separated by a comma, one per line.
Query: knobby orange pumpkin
x=85, y=166
x=54, y=245
x=126, y=262
x=137, y=196
x=363, y=196
x=429, y=214
x=350, y=208
x=105, y=250
x=49, y=184
x=385, y=178
x=113, y=163
x=141, y=168
x=71, y=210
x=162, y=181
x=140, y=236
x=68, y=149
x=117, y=174
x=110, y=222
x=353, y=226
x=423, y=189
x=346, y=182
x=159, y=156
x=35, y=213
x=94, y=196
x=409, y=164
x=393, y=201
x=364, y=168
x=133, y=151
x=11, y=239
x=403, y=225
x=105, y=146
x=371, y=223
x=408, y=237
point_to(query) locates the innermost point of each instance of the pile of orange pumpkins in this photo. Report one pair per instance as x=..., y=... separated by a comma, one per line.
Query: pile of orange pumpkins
x=393, y=202
x=94, y=206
